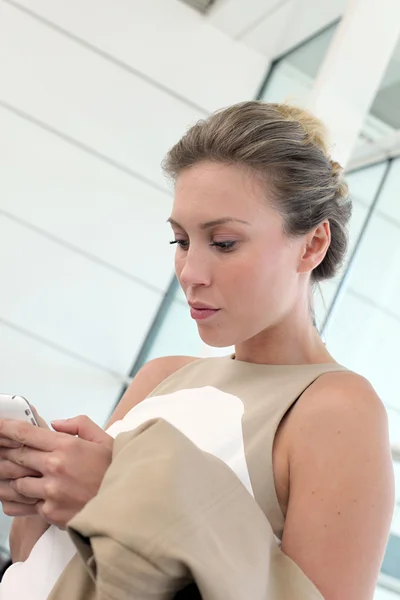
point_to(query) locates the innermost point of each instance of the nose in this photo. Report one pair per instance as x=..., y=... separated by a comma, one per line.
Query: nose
x=193, y=270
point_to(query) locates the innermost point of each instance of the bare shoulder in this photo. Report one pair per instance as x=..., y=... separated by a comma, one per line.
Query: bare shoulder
x=337, y=409
x=155, y=371
x=147, y=379
x=340, y=485
x=345, y=396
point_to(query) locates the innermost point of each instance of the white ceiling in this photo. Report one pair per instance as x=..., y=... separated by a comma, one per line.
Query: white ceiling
x=201, y=5
x=273, y=27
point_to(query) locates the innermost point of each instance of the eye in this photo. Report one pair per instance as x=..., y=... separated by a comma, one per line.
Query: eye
x=184, y=244
x=225, y=246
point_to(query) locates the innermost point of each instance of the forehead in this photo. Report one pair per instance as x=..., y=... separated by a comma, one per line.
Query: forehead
x=208, y=189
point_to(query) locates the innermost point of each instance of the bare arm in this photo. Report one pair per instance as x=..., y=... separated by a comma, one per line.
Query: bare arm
x=341, y=487
x=26, y=530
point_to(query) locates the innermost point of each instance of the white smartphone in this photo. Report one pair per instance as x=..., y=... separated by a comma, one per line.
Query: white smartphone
x=17, y=408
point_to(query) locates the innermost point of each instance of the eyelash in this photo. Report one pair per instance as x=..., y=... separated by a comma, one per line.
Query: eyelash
x=226, y=246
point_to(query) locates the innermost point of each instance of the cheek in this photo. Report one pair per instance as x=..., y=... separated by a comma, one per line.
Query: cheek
x=178, y=264
x=242, y=282
x=264, y=277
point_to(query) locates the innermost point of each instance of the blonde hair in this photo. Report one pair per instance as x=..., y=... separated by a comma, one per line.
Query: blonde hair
x=288, y=146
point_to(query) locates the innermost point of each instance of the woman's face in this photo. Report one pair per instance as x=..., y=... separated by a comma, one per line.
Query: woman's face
x=237, y=268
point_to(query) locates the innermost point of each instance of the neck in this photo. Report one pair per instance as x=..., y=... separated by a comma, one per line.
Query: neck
x=293, y=341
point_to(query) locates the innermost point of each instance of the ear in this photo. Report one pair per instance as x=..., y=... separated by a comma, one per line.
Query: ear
x=315, y=247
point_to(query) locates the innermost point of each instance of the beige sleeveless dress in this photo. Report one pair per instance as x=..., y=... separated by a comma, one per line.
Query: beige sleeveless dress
x=233, y=409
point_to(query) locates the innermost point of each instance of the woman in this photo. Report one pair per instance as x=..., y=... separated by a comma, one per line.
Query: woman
x=259, y=216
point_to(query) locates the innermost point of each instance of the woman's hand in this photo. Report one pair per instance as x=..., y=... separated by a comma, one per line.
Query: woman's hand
x=15, y=504
x=58, y=471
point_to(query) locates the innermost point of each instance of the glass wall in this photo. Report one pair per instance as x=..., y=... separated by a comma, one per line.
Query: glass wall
x=364, y=185
x=291, y=78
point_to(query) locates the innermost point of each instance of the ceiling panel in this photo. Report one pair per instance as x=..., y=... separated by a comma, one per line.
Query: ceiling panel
x=58, y=385
x=266, y=35
x=274, y=27
x=70, y=301
x=237, y=18
x=163, y=40
x=201, y=5
x=72, y=196
x=309, y=17
x=84, y=97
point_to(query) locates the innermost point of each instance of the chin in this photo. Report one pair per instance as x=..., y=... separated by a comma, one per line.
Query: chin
x=214, y=338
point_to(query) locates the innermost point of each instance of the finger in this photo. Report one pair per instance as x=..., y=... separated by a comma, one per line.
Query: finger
x=26, y=457
x=25, y=433
x=8, y=494
x=10, y=470
x=29, y=487
x=84, y=428
x=17, y=509
x=51, y=514
x=7, y=443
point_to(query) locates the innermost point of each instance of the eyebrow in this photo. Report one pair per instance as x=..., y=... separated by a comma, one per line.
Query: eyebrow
x=213, y=223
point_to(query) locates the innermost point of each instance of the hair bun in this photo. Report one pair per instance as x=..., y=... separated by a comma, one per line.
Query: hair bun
x=336, y=167
x=342, y=189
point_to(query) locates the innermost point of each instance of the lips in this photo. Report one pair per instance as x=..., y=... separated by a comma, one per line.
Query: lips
x=200, y=312
x=199, y=306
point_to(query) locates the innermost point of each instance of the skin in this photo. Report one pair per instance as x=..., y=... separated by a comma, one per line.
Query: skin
x=331, y=456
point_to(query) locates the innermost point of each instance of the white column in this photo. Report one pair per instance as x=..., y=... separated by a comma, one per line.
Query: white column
x=353, y=68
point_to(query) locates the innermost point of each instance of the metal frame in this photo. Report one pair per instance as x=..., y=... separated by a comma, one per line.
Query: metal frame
x=342, y=285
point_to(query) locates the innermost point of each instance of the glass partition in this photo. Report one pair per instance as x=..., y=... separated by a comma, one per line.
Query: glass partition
x=291, y=79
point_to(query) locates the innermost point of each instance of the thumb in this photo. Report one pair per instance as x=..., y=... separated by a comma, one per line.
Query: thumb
x=84, y=428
